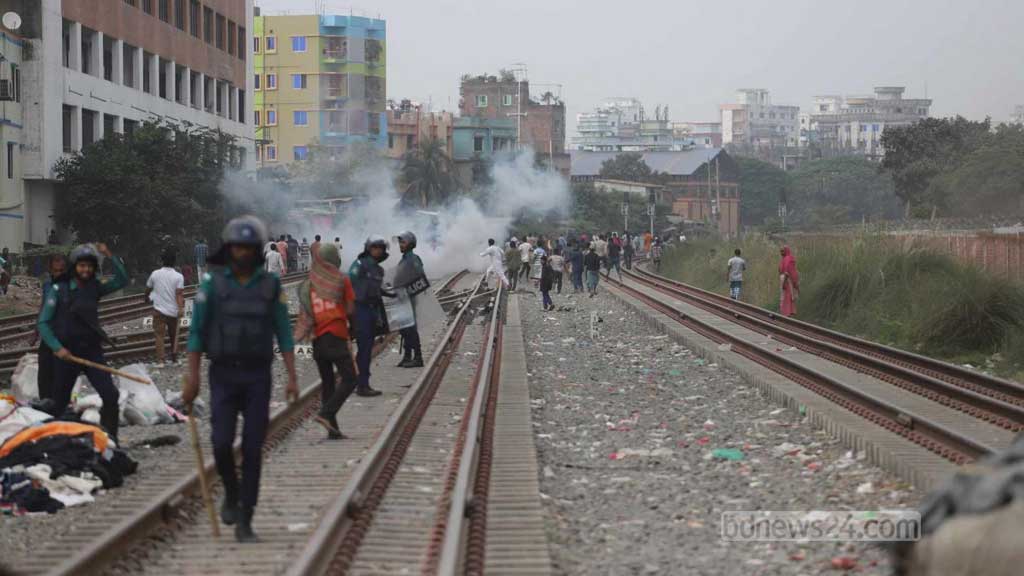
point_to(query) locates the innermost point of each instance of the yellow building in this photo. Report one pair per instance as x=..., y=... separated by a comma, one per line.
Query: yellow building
x=319, y=85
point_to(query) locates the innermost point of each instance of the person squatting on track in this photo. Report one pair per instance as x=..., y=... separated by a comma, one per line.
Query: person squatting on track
x=736, y=266
x=513, y=263
x=69, y=323
x=58, y=265
x=166, y=289
x=410, y=277
x=239, y=309
x=367, y=277
x=496, y=262
x=327, y=302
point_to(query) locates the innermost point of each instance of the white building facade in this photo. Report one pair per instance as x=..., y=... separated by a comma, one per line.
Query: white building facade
x=622, y=125
x=105, y=66
x=855, y=124
x=754, y=121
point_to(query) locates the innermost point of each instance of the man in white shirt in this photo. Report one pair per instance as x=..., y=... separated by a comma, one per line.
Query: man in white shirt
x=166, y=289
x=497, y=266
x=525, y=251
x=275, y=263
x=736, y=267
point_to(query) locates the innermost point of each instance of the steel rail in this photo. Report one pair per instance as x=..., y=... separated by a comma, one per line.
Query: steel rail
x=101, y=552
x=463, y=536
x=996, y=411
x=1005, y=390
x=936, y=437
x=351, y=511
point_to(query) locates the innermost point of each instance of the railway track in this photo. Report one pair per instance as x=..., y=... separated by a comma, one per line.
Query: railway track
x=21, y=327
x=992, y=401
x=166, y=502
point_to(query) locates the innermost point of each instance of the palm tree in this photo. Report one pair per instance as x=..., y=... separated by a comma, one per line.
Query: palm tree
x=428, y=174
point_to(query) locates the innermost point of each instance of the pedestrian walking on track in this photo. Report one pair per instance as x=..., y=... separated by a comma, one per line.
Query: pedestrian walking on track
x=513, y=263
x=327, y=302
x=69, y=323
x=547, y=280
x=789, y=282
x=496, y=265
x=656, y=250
x=736, y=266
x=239, y=310
x=166, y=289
x=592, y=266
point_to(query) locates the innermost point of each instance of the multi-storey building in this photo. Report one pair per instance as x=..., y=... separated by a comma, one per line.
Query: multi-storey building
x=1018, y=115
x=12, y=186
x=409, y=124
x=855, y=124
x=539, y=122
x=622, y=125
x=754, y=122
x=319, y=85
x=702, y=134
x=90, y=68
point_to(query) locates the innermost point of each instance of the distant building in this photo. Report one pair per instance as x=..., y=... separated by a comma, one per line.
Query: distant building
x=701, y=134
x=319, y=85
x=754, y=122
x=1018, y=115
x=539, y=121
x=622, y=125
x=701, y=184
x=12, y=186
x=478, y=142
x=409, y=124
x=855, y=124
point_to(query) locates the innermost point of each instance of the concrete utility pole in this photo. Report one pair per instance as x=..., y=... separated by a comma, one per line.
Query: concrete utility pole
x=651, y=201
x=625, y=209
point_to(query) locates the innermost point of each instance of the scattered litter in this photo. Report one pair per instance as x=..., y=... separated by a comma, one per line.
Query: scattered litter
x=866, y=488
x=844, y=563
x=298, y=527
x=725, y=347
x=732, y=454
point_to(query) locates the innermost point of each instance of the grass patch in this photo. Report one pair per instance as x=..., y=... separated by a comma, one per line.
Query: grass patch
x=881, y=290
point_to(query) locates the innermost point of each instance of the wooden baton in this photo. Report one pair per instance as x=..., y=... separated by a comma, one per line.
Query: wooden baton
x=105, y=368
x=204, y=485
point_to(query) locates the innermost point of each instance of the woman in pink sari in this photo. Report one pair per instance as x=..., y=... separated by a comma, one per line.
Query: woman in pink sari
x=789, y=283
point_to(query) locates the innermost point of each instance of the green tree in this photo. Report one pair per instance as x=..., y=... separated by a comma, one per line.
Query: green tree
x=838, y=191
x=627, y=166
x=916, y=153
x=989, y=179
x=428, y=174
x=762, y=187
x=137, y=193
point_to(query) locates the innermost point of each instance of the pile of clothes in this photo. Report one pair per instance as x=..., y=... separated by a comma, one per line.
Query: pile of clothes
x=46, y=464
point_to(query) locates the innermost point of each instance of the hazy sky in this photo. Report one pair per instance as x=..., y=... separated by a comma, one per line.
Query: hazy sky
x=692, y=55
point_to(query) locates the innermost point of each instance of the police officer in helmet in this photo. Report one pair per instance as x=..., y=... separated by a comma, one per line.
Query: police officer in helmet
x=367, y=278
x=238, y=311
x=69, y=324
x=410, y=277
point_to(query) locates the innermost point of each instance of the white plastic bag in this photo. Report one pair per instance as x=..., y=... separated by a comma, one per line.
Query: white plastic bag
x=25, y=380
x=145, y=405
x=399, y=311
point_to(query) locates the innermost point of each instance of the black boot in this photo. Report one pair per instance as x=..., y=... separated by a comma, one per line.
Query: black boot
x=367, y=392
x=417, y=361
x=229, y=507
x=406, y=359
x=243, y=531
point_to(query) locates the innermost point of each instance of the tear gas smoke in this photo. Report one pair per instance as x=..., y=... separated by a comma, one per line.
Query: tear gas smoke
x=449, y=238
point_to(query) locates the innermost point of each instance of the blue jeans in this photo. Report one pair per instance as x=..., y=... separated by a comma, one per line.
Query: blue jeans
x=592, y=278
x=240, y=388
x=577, y=279
x=546, y=294
x=734, y=289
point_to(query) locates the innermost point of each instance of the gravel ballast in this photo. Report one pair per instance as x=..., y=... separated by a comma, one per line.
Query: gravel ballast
x=627, y=424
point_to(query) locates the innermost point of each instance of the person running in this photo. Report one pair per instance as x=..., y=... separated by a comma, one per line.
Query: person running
x=367, y=277
x=58, y=265
x=304, y=254
x=69, y=323
x=736, y=266
x=199, y=254
x=614, y=254
x=557, y=262
x=496, y=262
x=513, y=263
x=166, y=289
x=274, y=263
x=525, y=252
x=789, y=282
x=592, y=266
x=575, y=261
x=410, y=277
x=239, y=310
x=326, y=304
x=656, y=249
x=547, y=280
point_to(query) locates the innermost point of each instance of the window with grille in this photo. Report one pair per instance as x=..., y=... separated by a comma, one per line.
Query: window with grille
x=164, y=10
x=194, y=15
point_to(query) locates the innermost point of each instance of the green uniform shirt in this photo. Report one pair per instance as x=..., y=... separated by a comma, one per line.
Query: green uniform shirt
x=202, y=309
x=120, y=280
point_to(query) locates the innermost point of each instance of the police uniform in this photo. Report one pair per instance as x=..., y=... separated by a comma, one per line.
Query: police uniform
x=70, y=319
x=367, y=278
x=410, y=277
x=235, y=325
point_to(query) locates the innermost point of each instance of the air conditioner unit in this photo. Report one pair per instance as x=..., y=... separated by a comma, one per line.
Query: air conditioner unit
x=6, y=90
